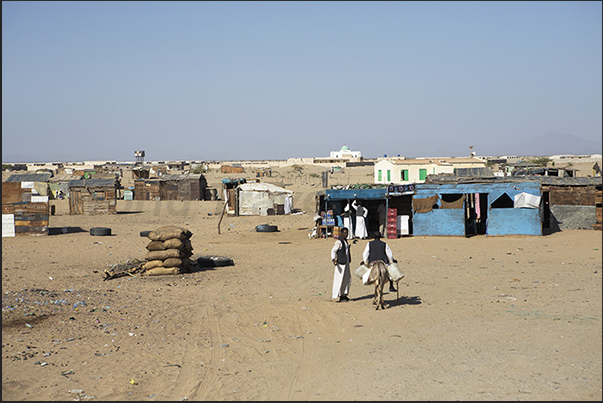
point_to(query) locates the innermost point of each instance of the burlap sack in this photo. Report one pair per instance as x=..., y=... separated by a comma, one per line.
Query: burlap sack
x=173, y=243
x=172, y=262
x=152, y=264
x=168, y=232
x=163, y=254
x=159, y=271
x=156, y=245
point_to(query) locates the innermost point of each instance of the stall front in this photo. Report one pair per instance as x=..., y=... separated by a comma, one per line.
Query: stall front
x=332, y=202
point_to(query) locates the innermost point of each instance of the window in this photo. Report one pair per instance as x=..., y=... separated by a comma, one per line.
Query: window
x=389, y=175
x=379, y=176
x=404, y=174
x=504, y=201
x=422, y=174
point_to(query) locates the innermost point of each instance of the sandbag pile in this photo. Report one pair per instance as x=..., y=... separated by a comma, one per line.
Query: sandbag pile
x=169, y=251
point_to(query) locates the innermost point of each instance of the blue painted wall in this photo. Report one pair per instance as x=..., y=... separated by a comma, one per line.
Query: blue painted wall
x=440, y=222
x=503, y=221
x=514, y=221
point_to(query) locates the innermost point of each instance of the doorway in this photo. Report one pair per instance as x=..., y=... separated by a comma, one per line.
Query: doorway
x=476, y=214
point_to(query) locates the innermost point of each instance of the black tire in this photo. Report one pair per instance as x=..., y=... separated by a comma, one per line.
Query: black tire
x=145, y=233
x=214, y=261
x=266, y=228
x=100, y=231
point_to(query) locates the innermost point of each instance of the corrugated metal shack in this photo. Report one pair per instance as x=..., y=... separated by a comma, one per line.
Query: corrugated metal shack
x=25, y=207
x=147, y=189
x=93, y=196
x=32, y=184
x=171, y=187
x=459, y=206
x=570, y=202
x=183, y=187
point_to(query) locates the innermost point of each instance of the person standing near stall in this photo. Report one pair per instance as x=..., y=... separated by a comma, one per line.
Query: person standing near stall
x=341, y=258
x=361, y=213
x=348, y=218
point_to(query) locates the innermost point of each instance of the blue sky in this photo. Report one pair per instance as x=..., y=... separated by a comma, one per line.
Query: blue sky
x=272, y=80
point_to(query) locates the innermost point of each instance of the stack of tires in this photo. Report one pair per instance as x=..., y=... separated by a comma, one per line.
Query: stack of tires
x=169, y=251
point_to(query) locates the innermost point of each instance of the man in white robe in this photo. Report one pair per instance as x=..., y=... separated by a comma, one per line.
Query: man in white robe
x=341, y=258
x=361, y=213
x=347, y=220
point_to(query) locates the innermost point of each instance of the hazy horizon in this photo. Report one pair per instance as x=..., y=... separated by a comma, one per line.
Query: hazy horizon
x=93, y=81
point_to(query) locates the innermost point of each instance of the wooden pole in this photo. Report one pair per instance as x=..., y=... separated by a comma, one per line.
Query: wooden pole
x=222, y=215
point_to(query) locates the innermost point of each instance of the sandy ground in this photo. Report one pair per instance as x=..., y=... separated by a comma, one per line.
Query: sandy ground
x=480, y=318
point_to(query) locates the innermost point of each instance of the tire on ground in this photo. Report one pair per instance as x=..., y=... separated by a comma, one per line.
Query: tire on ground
x=214, y=261
x=266, y=228
x=144, y=233
x=100, y=231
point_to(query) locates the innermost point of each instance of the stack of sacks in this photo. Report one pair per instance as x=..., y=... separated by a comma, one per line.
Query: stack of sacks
x=169, y=251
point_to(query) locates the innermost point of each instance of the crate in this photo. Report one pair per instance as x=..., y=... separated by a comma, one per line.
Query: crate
x=336, y=232
x=392, y=212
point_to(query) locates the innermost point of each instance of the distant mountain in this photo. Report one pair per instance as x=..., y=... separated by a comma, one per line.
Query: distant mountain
x=556, y=143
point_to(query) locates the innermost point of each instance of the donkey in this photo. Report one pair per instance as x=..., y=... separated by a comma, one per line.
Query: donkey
x=380, y=276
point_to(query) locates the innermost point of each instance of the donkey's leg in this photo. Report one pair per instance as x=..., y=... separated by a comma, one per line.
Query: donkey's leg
x=375, y=298
x=379, y=293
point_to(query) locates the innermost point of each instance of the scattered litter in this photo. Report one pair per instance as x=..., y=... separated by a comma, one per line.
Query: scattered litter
x=78, y=391
x=224, y=345
x=133, y=382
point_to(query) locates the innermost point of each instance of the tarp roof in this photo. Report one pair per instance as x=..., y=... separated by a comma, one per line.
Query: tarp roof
x=570, y=181
x=39, y=177
x=481, y=171
x=92, y=182
x=351, y=194
x=263, y=187
x=65, y=178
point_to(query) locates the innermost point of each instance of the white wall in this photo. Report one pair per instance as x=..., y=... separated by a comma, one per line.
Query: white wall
x=413, y=171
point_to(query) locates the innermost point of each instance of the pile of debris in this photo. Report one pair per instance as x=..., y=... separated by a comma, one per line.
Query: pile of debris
x=127, y=268
x=169, y=251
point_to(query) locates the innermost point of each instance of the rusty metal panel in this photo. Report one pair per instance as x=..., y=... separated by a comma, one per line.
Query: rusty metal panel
x=12, y=192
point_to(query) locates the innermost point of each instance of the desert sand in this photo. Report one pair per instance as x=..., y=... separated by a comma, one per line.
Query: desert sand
x=479, y=318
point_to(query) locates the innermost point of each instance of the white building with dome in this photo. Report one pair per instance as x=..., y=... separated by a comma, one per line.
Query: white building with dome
x=346, y=153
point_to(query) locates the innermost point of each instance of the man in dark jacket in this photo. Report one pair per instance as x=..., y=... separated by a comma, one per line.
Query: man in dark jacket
x=379, y=250
x=341, y=258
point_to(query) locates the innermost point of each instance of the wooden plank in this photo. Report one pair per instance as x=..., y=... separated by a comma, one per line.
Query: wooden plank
x=33, y=230
x=8, y=209
x=33, y=223
x=31, y=218
x=32, y=207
